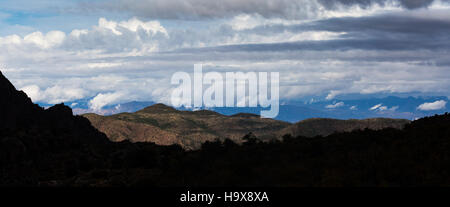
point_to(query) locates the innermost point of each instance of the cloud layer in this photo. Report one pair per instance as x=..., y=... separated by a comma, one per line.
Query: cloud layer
x=319, y=48
x=206, y=9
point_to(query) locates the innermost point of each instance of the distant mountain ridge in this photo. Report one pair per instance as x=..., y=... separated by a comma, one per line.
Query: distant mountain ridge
x=358, y=107
x=164, y=125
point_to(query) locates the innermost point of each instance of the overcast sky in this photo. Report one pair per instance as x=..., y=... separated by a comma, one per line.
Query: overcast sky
x=125, y=50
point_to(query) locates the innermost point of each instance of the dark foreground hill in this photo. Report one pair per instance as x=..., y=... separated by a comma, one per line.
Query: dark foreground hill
x=324, y=127
x=165, y=125
x=53, y=148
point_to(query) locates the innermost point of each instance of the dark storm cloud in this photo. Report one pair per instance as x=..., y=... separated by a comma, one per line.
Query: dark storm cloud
x=412, y=36
x=332, y=45
x=386, y=25
x=434, y=24
x=409, y=4
x=384, y=32
x=206, y=9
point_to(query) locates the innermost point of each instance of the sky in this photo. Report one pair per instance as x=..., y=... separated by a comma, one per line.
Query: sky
x=127, y=50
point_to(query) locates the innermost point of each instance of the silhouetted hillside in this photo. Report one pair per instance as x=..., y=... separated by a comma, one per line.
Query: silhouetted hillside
x=324, y=127
x=37, y=144
x=15, y=106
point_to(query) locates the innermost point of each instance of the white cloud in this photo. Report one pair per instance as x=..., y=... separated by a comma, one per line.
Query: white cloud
x=383, y=108
x=336, y=105
x=43, y=41
x=133, y=24
x=150, y=27
x=111, y=25
x=131, y=36
x=378, y=106
x=51, y=39
x=331, y=95
x=394, y=108
x=33, y=91
x=101, y=100
x=53, y=95
x=12, y=39
x=77, y=33
x=247, y=21
x=437, y=105
x=102, y=65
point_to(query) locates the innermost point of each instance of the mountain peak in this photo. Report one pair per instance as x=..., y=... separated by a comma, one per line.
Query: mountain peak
x=15, y=105
x=158, y=108
x=17, y=111
x=60, y=109
x=8, y=91
x=246, y=115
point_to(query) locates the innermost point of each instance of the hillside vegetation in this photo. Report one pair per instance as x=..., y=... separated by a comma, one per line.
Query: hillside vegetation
x=165, y=125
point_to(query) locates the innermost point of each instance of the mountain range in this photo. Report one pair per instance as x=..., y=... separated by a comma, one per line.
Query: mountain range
x=357, y=106
x=165, y=125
